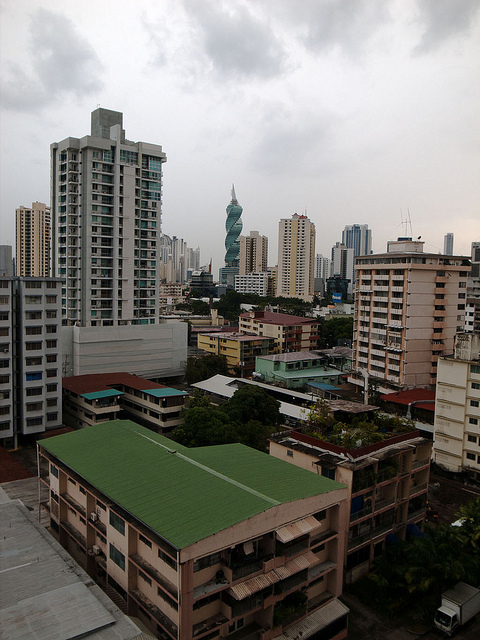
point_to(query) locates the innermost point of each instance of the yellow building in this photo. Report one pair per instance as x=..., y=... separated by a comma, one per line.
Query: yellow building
x=239, y=349
x=292, y=333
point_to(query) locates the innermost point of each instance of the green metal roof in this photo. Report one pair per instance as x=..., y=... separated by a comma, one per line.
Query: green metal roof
x=164, y=393
x=106, y=393
x=183, y=494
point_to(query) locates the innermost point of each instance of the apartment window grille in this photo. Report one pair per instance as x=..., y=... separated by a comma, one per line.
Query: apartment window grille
x=117, y=557
x=117, y=523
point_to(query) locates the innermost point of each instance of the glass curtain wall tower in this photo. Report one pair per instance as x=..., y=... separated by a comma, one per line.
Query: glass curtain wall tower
x=106, y=210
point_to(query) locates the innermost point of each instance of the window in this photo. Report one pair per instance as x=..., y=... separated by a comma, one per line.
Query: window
x=33, y=299
x=73, y=482
x=52, y=358
x=51, y=285
x=52, y=373
x=100, y=505
x=51, y=328
x=52, y=402
x=51, y=388
x=475, y=385
x=474, y=403
x=321, y=515
x=51, y=299
x=144, y=577
x=33, y=331
x=33, y=346
x=207, y=561
x=145, y=541
x=54, y=471
x=167, y=598
x=33, y=315
x=289, y=453
x=82, y=491
x=117, y=557
x=51, y=314
x=52, y=416
x=34, y=391
x=29, y=362
x=35, y=375
x=166, y=558
x=472, y=439
x=34, y=422
x=473, y=420
x=470, y=456
x=475, y=368
x=204, y=601
x=117, y=522
x=34, y=406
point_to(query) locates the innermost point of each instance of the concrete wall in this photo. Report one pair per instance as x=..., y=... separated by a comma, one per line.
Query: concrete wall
x=145, y=350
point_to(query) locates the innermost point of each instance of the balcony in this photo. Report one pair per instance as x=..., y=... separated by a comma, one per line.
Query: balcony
x=152, y=609
x=76, y=535
x=153, y=573
x=420, y=463
x=361, y=514
x=418, y=488
x=74, y=504
x=383, y=503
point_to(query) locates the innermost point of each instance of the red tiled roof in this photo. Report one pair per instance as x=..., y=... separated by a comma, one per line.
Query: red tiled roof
x=102, y=381
x=269, y=317
x=411, y=395
x=11, y=469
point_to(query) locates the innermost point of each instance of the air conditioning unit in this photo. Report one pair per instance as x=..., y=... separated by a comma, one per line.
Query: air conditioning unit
x=93, y=516
x=96, y=550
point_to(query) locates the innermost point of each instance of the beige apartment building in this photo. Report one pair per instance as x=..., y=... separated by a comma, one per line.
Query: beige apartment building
x=408, y=306
x=203, y=543
x=387, y=485
x=240, y=350
x=296, y=257
x=457, y=410
x=32, y=241
x=292, y=333
x=253, y=253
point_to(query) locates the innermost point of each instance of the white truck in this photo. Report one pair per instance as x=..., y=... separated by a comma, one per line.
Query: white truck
x=459, y=605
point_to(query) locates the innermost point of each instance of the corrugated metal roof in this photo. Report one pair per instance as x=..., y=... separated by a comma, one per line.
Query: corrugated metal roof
x=315, y=622
x=183, y=494
x=94, y=395
x=252, y=585
x=167, y=392
x=297, y=529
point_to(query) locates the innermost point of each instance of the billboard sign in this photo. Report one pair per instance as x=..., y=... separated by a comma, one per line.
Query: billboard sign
x=336, y=297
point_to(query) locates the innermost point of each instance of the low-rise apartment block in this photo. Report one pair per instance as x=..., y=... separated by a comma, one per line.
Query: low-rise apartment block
x=387, y=485
x=31, y=357
x=457, y=409
x=294, y=370
x=92, y=399
x=292, y=333
x=239, y=349
x=200, y=543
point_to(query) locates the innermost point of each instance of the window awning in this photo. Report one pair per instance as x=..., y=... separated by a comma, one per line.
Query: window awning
x=297, y=529
x=251, y=586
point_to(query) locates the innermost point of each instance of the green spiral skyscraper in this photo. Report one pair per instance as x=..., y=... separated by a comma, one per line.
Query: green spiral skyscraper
x=233, y=227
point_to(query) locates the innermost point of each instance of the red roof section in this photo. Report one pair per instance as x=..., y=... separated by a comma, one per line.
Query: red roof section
x=11, y=469
x=412, y=395
x=102, y=381
x=285, y=319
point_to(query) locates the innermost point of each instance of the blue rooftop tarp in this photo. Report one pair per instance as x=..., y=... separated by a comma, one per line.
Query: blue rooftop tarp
x=164, y=393
x=106, y=393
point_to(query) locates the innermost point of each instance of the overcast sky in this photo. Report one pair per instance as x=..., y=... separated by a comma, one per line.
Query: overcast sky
x=357, y=111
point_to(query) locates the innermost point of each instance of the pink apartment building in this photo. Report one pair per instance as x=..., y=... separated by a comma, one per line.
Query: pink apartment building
x=213, y=542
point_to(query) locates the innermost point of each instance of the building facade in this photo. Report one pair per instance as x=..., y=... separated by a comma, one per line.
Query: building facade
x=6, y=260
x=472, y=309
x=359, y=238
x=387, y=486
x=457, y=408
x=239, y=349
x=448, y=244
x=106, y=209
x=291, y=333
x=91, y=399
x=343, y=259
x=296, y=257
x=295, y=370
x=196, y=548
x=31, y=357
x=252, y=283
x=253, y=253
x=32, y=241
x=408, y=306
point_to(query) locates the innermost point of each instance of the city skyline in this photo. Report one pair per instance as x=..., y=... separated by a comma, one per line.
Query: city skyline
x=384, y=119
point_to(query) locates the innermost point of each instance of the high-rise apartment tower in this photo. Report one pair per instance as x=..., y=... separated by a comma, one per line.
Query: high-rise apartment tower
x=408, y=306
x=253, y=253
x=106, y=209
x=296, y=257
x=32, y=241
x=448, y=244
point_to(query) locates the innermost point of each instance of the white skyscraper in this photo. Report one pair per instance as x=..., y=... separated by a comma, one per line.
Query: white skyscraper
x=296, y=257
x=448, y=244
x=359, y=238
x=106, y=211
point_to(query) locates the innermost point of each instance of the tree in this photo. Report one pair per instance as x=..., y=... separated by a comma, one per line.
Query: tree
x=255, y=434
x=205, y=426
x=204, y=367
x=250, y=402
x=198, y=400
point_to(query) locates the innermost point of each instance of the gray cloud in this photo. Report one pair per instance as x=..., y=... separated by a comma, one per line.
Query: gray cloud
x=62, y=62
x=301, y=140
x=321, y=26
x=235, y=42
x=443, y=20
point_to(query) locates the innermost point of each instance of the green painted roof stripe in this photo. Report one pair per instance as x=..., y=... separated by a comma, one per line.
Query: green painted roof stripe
x=93, y=395
x=183, y=494
x=164, y=393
